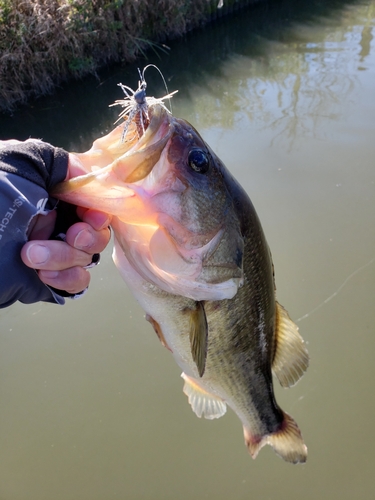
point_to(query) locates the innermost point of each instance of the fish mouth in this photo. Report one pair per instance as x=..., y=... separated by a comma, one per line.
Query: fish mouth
x=113, y=166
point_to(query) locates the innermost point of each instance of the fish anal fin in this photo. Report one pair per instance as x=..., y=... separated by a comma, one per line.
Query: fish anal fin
x=158, y=331
x=202, y=402
x=287, y=442
x=198, y=336
x=291, y=358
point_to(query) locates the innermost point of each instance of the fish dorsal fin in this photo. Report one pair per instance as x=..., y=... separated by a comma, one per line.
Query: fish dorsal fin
x=198, y=337
x=291, y=358
x=202, y=402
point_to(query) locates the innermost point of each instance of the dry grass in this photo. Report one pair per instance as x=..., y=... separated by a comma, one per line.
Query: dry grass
x=43, y=42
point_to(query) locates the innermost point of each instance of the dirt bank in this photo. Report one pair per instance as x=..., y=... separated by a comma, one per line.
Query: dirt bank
x=44, y=42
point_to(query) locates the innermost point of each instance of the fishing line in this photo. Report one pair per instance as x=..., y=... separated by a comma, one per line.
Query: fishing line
x=328, y=299
x=142, y=76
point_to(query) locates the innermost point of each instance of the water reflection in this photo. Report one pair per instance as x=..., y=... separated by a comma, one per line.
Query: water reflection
x=92, y=406
x=367, y=36
x=271, y=59
x=292, y=86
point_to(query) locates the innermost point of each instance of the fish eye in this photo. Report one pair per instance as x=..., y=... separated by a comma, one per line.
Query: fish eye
x=199, y=161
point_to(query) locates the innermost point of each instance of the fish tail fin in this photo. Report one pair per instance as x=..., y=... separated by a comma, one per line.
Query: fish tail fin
x=287, y=442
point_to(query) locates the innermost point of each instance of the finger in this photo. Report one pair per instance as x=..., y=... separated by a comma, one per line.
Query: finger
x=98, y=220
x=42, y=226
x=75, y=167
x=72, y=280
x=83, y=237
x=53, y=255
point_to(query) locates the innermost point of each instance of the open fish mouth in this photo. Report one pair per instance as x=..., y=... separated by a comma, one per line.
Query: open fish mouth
x=113, y=165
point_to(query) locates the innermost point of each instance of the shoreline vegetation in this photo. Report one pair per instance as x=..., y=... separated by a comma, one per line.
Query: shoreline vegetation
x=46, y=42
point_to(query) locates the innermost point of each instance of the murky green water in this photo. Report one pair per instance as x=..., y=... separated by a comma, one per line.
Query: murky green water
x=91, y=404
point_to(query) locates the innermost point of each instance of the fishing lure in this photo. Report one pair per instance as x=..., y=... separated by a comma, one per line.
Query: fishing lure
x=136, y=104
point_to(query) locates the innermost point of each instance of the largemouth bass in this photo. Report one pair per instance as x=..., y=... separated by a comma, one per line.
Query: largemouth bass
x=190, y=246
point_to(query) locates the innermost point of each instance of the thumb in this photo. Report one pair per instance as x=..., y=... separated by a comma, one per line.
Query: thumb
x=75, y=167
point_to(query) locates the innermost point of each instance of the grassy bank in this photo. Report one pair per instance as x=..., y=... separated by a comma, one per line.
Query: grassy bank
x=44, y=42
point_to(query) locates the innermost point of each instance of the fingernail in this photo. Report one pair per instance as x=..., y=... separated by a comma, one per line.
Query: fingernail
x=105, y=222
x=84, y=239
x=37, y=254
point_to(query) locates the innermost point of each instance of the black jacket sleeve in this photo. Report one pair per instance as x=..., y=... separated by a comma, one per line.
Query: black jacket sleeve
x=28, y=171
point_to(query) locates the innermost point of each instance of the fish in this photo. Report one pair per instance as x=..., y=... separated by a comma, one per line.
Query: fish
x=190, y=246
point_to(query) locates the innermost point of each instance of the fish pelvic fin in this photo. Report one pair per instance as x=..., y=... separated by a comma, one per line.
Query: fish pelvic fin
x=291, y=358
x=287, y=442
x=158, y=331
x=199, y=336
x=202, y=402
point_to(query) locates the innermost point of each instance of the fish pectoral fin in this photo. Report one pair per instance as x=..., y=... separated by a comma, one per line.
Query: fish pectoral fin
x=202, y=402
x=291, y=358
x=287, y=442
x=198, y=336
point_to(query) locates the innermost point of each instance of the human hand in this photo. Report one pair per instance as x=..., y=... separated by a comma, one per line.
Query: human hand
x=61, y=264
